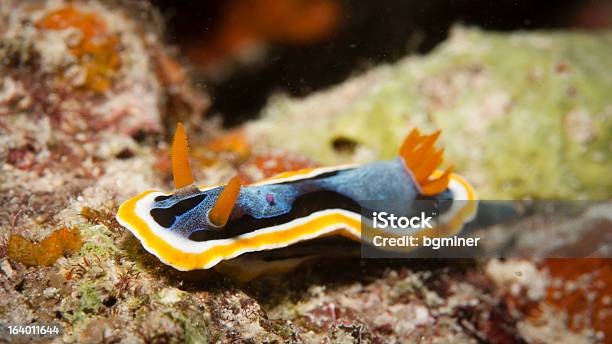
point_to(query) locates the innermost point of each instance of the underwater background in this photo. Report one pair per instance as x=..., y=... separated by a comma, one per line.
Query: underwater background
x=91, y=92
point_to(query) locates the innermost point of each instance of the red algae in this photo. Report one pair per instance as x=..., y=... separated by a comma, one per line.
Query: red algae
x=271, y=164
x=585, y=292
x=249, y=23
x=233, y=142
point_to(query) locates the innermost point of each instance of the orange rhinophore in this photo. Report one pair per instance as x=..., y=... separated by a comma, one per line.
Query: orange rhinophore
x=220, y=213
x=181, y=168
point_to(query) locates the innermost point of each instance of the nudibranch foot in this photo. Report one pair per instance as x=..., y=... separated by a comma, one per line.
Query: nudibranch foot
x=245, y=269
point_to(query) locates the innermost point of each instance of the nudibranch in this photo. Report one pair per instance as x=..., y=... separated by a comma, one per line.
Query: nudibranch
x=200, y=227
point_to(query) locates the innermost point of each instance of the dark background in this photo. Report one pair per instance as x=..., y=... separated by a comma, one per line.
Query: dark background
x=370, y=32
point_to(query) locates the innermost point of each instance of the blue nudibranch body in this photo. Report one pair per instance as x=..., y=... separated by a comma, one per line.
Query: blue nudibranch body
x=200, y=227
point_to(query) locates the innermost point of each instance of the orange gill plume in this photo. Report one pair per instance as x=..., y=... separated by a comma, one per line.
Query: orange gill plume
x=220, y=213
x=181, y=168
x=422, y=159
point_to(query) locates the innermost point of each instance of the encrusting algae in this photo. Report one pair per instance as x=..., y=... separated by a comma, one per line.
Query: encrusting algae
x=46, y=252
x=96, y=49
